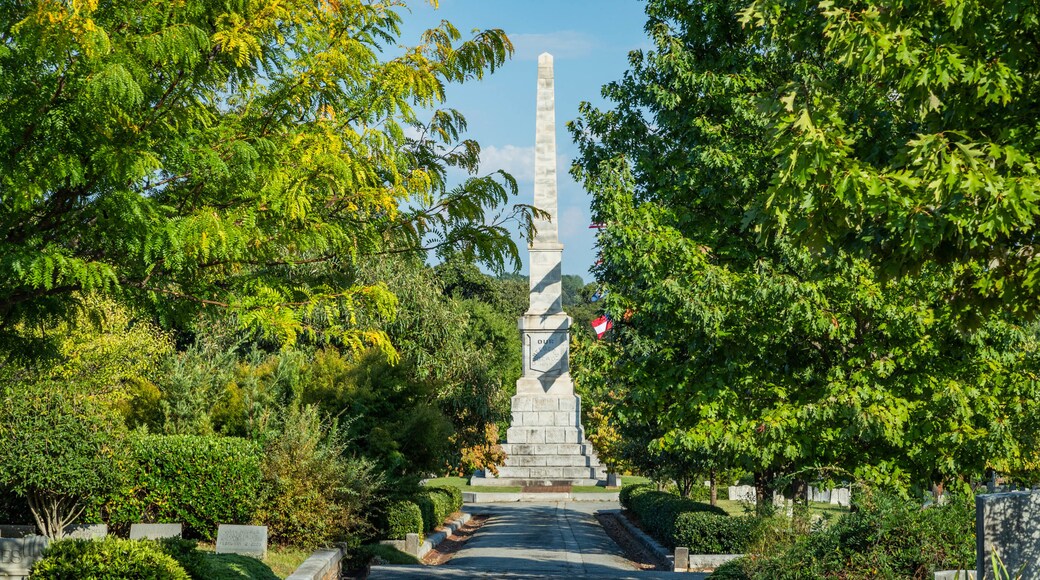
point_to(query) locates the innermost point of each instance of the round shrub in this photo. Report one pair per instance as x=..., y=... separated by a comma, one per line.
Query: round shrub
x=709, y=533
x=108, y=559
x=403, y=518
x=200, y=481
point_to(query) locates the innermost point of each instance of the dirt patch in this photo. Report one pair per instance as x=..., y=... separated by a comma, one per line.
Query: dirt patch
x=641, y=558
x=445, y=550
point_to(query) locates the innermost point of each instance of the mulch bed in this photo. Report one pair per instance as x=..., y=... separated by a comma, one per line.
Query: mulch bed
x=640, y=557
x=445, y=550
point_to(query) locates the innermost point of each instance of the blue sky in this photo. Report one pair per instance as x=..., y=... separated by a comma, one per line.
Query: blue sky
x=589, y=40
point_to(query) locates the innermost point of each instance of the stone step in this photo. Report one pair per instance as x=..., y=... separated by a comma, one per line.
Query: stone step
x=538, y=435
x=536, y=403
x=547, y=449
x=550, y=473
x=545, y=419
x=505, y=481
x=550, y=461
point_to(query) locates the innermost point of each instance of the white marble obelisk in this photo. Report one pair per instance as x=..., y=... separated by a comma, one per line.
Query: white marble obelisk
x=545, y=442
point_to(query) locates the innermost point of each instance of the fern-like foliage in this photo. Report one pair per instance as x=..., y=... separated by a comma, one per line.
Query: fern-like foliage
x=234, y=157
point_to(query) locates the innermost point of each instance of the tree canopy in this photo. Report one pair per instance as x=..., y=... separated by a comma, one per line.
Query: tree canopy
x=239, y=157
x=736, y=349
x=909, y=135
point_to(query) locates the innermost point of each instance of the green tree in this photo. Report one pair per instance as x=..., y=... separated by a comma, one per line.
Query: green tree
x=909, y=136
x=60, y=449
x=237, y=158
x=737, y=351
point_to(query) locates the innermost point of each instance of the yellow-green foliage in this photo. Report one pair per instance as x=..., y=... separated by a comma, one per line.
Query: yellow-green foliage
x=234, y=157
x=108, y=559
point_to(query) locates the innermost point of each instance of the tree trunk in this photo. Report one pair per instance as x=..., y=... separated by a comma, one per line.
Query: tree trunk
x=53, y=513
x=800, y=491
x=714, y=488
x=763, y=491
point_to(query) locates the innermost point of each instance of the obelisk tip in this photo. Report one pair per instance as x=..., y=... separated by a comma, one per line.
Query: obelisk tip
x=545, y=58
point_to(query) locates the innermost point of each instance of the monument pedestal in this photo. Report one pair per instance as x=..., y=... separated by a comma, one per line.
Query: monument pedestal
x=546, y=445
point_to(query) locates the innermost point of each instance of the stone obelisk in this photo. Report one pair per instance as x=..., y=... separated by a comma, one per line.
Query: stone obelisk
x=545, y=442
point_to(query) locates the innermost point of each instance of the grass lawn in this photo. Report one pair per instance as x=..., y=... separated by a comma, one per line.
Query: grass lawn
x=285, y=561
x=280, y=563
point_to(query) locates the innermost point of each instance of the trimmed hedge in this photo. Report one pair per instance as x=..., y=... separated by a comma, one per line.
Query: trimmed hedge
x=658, y=511
x=108, y=559
x=709, y=533
x=436, y=504
x=200, y=481
x=403, y=518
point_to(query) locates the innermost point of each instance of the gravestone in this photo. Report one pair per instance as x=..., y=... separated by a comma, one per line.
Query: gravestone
x=1008, y=524
x=87, y=531
x=819, y=495
x=17, y=555
x=13, y=531
x=245, y=540
x=841, y=496
x=155, y=531
x=681, y=560
x=742, y=492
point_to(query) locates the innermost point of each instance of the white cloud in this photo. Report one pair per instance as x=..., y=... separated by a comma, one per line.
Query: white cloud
x=518, y=161
x=572, y=222
x=567, y=44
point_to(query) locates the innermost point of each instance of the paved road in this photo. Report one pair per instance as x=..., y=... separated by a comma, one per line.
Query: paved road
x=528, y=540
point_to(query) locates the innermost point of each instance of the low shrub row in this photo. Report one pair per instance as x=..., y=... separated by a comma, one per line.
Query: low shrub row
x=423, y=512
x=403, y=518
x=675, y=521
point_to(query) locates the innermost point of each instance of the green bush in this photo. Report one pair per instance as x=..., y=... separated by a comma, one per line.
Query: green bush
x=456, y=496
x=709, y=533
x=403, y=518
x=108, y=559
x=186, y=554
x=235, y=567
x=313, y=493
x=436, y=504
x=658, y=510
x=626, y=493
x=200, y=481
x=886, y=537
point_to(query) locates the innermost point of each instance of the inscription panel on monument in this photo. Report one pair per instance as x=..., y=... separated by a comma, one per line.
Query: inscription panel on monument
x=547, y=352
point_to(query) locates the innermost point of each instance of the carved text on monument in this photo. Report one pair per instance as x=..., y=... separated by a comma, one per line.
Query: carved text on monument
x=546, y=352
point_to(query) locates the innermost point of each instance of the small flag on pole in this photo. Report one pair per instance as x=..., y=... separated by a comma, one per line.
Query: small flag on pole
x=601, y=325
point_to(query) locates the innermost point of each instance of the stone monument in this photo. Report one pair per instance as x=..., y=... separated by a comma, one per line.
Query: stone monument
x=545, y=442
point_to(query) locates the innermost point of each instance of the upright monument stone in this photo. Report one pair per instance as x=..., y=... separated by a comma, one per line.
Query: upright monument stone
x=545, y=442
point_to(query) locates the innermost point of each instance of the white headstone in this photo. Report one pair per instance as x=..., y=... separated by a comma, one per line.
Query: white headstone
x=246, y=540
x=86, y=531
x=17, y=555
x=155, y=531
